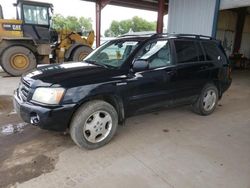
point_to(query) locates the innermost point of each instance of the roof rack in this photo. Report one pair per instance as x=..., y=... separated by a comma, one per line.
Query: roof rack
x=153, y=35
x=194, y=36
x=134, y=35
x=184, y=35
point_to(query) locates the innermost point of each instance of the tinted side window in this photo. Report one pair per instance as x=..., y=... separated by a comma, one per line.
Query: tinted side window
x=211, y=51
x=186, y=51
x=157, y=53
x=223, y=55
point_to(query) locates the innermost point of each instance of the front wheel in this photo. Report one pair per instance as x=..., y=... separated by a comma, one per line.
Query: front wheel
x=207, y=101
x=94, y=124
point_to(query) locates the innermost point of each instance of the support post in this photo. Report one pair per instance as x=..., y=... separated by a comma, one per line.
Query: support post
x=242, y=12
x=216, y=16
x=98, y=23
x=100, y=4
x=1, y=12
x=161, y=5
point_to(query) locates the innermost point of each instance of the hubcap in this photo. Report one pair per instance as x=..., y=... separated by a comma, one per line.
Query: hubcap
x=209, y=100
x=97, y=127
x=19, y=61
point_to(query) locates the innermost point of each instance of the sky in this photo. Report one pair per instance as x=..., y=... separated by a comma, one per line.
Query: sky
x=87, y=9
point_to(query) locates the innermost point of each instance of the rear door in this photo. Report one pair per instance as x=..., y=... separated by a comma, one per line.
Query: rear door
x=192, y=68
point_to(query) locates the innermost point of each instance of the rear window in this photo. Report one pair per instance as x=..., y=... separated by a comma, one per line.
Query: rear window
x=186, y=51
x=212, y=52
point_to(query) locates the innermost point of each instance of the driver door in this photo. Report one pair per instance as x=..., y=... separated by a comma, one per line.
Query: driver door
x=153, y=87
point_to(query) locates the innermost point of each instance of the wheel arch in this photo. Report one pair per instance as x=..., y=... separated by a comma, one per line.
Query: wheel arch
x=114, y=100
x=217, y=83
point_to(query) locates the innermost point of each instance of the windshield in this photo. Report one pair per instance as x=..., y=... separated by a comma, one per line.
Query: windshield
x=36, y=15
x=112, y=54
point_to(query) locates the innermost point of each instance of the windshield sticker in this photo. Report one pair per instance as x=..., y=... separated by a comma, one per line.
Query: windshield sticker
x=130, y=43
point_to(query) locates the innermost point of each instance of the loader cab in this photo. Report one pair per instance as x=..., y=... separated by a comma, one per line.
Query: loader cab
x=36, y=17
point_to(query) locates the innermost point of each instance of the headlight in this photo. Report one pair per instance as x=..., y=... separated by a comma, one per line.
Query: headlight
x=48, y=95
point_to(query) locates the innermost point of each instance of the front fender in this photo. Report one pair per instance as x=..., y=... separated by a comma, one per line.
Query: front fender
x=107, y=92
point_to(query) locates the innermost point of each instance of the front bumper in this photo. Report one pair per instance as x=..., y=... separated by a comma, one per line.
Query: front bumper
x=50, y=118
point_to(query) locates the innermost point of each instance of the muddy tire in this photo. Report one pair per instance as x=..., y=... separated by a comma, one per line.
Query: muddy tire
x=94, y=124
x=80, y=53
x=17, y=60
x=207, y=101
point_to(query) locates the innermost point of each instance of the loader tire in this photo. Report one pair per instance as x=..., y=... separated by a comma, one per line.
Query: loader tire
x=17, y=60
x=80, y=53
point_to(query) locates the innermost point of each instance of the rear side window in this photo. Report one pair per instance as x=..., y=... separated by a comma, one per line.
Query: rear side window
x=212, y=52
x=186, y=51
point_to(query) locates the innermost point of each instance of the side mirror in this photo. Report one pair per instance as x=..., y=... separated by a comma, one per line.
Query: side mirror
x=140, y=65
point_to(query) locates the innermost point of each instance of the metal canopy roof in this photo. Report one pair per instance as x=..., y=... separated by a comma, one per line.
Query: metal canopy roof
x=138, y=4
x=161, y=6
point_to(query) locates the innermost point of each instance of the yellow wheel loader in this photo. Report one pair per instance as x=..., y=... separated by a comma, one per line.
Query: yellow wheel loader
x=28, y=40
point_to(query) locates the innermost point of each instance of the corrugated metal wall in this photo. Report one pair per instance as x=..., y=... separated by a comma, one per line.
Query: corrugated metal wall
x=226, y=32
x=191, y=16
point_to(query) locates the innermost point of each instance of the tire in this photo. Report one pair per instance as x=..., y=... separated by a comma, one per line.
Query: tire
x=17, y=60
x=94, y=124
x=80, y=53
x=207, y=101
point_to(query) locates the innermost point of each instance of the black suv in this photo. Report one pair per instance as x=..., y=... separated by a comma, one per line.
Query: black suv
x=125, y=76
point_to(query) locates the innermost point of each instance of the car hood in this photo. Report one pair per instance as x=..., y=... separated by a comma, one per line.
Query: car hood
x=70, y=74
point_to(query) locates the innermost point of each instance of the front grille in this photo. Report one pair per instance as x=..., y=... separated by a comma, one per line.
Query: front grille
x=26, y=83
x=24, y=89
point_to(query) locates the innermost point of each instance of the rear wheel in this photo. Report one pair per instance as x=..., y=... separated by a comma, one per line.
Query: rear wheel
x=80, y=53
x=17, y=60
x=94, y=124
x=207, y=100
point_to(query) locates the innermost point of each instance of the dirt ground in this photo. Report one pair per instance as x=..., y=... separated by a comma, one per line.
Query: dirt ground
x=168, y=148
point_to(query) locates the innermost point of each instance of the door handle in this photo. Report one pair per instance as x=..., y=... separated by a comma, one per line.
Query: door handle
x=171, y=73
x=121, y=83
x=204, y=67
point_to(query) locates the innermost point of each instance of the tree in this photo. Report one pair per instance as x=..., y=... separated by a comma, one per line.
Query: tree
x=86, y=23
x=71, y=23
x=58, y=22
x=135, y=24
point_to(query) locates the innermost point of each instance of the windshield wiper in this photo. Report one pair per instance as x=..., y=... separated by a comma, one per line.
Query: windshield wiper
x=108, y=66
x=102, y=65
x=93, y=62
